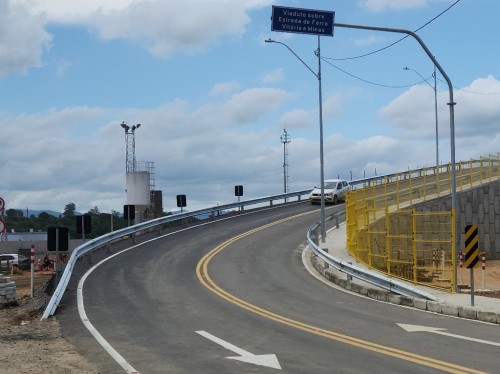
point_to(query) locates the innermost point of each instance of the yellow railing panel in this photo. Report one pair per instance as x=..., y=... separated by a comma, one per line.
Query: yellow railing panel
x=385, y=233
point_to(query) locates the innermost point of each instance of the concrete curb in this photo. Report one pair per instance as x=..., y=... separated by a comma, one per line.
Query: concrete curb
x=422, y=304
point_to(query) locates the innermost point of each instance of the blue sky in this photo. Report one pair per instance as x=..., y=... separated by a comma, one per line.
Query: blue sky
x=213, y=98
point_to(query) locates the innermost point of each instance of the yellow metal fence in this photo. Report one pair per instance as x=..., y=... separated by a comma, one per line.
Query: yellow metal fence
x=386, y=233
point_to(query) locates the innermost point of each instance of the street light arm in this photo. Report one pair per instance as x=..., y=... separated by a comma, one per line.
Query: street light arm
x=307, y=66
x=417, y=38
x=420, y=75
x=451, y=105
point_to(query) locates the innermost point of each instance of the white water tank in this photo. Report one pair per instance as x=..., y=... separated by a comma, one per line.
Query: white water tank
x=138, y=188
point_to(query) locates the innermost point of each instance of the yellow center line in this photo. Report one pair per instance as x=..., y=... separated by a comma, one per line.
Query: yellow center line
x=207, y=282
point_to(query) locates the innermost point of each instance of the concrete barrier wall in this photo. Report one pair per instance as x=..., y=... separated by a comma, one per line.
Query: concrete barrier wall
x=479, y=206
x=40, y=246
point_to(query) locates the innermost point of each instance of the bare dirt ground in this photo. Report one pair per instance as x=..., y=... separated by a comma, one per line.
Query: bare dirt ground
x=491, y=279
x=29, y=345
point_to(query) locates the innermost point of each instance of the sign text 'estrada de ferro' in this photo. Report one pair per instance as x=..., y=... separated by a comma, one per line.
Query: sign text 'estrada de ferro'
x=302, y=21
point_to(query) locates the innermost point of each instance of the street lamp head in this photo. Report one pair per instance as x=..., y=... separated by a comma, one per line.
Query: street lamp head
x=270, y=40
x=125, y=127
x=406, y=68
x=138, y=125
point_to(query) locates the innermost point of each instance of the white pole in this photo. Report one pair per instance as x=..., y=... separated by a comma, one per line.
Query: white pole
x=32, y=258
x=483, y=266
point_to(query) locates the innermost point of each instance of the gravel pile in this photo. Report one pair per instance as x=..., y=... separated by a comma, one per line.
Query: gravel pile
x=40, y=300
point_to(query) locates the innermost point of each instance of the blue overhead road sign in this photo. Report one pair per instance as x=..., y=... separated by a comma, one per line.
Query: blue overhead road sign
x=302, y=21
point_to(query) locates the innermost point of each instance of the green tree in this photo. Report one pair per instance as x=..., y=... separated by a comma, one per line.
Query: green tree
x=94, y=211
x=101, y=222
x=69, y=210
x=14, y=213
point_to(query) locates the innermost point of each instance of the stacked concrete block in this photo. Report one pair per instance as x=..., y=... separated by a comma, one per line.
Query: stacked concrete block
x=482, y=207
x=7, y=291
x=479, y=206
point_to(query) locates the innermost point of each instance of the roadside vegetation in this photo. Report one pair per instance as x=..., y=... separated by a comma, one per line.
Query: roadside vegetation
x=17, y=220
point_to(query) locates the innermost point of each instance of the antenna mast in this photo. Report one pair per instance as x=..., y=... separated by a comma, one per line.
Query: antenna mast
x=285, y=139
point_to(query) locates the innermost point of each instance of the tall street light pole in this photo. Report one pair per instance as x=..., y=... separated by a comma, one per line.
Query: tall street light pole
x=435, y=106
x=130, y=162
x=451, y=105
x=322, y=173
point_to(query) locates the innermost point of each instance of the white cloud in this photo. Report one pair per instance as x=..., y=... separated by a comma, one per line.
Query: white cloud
x=275, y=76
x=162, y=27
x=368, y=41
x=77, y=154
x=299, y=118
x=75, y=11
x=333, y=105
x=413, y=115
x=248, y=105
x=23, y=39
x=476, y=117
x=198, y=151
x=382, y=5
x=203, y=153
x=223, y=88
x=72, y=11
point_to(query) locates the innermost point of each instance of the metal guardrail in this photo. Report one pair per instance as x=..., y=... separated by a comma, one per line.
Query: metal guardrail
x=368, y=276
x=106, y=239
x=485, y=165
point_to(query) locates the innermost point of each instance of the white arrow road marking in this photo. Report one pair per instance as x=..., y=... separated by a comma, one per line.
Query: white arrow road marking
x=441, y=331
x=269, y=360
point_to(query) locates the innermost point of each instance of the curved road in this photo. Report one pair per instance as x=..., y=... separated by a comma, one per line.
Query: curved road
x=238, y=288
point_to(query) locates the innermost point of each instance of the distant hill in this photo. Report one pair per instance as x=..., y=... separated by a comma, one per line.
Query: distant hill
x=37, y=212
x=33, y=212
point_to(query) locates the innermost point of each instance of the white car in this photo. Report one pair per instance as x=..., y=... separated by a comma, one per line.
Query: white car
x=335, y=191
x=12, y=259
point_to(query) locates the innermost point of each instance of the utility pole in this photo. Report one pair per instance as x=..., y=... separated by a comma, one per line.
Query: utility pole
x=285, y=139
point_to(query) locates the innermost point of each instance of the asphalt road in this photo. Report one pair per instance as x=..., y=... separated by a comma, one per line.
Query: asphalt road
x=185, y=302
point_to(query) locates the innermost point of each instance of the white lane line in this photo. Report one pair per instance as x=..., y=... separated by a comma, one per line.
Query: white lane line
x=81, y=308
x=100, y=339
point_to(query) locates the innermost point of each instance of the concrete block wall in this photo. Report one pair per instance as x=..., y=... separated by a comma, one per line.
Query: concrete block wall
x=479, y=206
x=40, y=246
